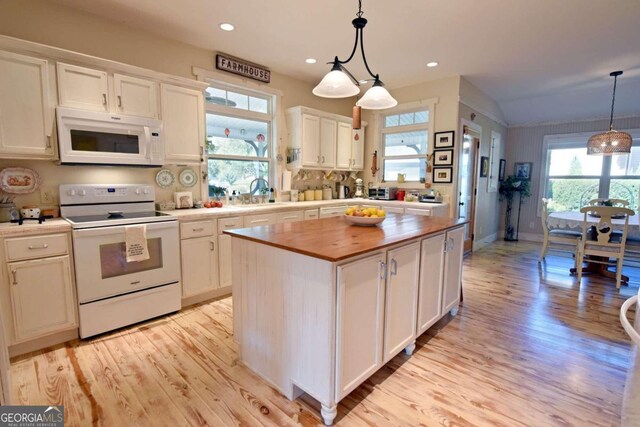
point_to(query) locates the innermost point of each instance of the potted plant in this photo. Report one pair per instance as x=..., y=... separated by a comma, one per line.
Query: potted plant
x=511, y=186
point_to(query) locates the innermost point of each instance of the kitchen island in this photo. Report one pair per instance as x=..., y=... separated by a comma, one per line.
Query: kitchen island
x=319, y=306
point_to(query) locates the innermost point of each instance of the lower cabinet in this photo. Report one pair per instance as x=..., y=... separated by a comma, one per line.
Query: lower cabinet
x=42, y=296
x=224, y=259
x=199, y=256
x=291, y=216
x=430, y=290
x=360, y=322
x=452, y=277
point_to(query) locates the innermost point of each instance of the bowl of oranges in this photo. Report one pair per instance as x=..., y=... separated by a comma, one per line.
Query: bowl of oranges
x=367, y=217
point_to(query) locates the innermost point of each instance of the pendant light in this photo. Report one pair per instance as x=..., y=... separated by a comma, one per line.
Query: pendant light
x=612, y=141
x=340, y=83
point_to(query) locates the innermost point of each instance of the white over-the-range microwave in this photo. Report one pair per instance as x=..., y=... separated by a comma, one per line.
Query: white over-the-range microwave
x=93, y=137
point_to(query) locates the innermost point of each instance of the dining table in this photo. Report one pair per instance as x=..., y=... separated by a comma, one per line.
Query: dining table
x=573, y=220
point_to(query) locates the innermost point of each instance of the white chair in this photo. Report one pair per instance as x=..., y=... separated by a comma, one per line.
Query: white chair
x=606, y=244
x=560, y=236
x=613, y=202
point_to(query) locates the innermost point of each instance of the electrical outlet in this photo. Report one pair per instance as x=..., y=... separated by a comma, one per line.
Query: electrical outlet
x=531, y=224
x=47, y=197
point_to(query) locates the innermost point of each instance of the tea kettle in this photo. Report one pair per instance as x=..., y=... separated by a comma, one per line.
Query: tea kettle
x=343, y=191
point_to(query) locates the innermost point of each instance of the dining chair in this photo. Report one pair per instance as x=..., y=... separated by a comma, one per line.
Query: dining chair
x=556, y=235
x=613, y=202
x=601, y=245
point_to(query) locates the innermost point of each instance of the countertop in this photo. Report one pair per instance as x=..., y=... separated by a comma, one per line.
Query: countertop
x=55, y=225
x=205, y=213
x=334, y=239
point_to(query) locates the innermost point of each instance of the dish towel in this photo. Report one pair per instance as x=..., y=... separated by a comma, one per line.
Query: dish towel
x=135, y=237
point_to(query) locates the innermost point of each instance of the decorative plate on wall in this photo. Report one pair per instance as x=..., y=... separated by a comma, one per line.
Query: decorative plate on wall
x=188, y=177
x=19, y=180
x=165, y=178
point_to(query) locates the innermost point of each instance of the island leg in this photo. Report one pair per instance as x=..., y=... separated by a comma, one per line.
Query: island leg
x=328, y=414
x=408, y=350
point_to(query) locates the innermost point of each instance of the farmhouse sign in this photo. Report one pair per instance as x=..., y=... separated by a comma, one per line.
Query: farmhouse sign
x=242, y=68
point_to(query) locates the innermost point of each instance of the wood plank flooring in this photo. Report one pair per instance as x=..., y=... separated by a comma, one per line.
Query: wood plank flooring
x=529, y=347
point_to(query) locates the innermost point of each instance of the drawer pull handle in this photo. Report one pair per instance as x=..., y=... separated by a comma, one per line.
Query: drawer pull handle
x=394, y=267
x=48, y=141
x=212, y=246
x=119, y=101
x=383, y=270
x=259, y=220
x=14, y=273
x=137, y=282
x=322, y=159
x=45, y=246
x=198, y=229
x=104, y=99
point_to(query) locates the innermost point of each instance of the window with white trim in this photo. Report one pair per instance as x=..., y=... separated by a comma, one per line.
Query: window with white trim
x=405, y=141
x=571, y=177
x=239, y=139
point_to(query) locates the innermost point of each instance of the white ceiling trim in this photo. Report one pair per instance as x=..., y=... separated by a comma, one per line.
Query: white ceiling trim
x=563, y=122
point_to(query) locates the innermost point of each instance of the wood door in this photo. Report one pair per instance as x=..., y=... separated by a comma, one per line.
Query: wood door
x=85, y=88
x=452, y=280
x=136, y=97
x=183, y=124
x=430, y=288
x=199, y=265
x=357, y=149
x=310, y=140
x=467, y=177
x=26, y=111
x=360, y=319
x=42, y=297
x=343, y=150
x=328, y=135
x=224, y=259
x=401, y=296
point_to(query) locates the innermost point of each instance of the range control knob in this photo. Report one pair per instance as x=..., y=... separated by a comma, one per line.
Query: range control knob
x=82, y=192
x=137, y=191
x=145, y=191
x=71, y=193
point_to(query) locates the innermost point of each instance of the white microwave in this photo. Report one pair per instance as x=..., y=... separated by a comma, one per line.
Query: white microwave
x=91, y=137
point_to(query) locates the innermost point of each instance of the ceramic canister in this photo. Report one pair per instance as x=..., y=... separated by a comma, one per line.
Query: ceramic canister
x=30, y=212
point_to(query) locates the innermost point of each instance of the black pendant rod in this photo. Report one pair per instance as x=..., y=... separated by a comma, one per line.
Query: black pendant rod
x=615, y=75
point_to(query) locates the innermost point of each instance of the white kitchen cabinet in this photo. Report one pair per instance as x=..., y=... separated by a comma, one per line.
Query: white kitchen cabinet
x=183, y=124
x=418, y=211
x=260, y=219
x=452, y=278
x=343, y=149
x=403, y=265
x=291, y=216
x=328, y=135
x=42, y=297
x=393, y=209
x=360, y=322
x=310, y=140
x=311, y=214
x=357, y=149
x=84, y=88
x=199, y=257
x=330, y=211
x=26, y=110
x=430, y=287
x=135, y=96
x=224, y=248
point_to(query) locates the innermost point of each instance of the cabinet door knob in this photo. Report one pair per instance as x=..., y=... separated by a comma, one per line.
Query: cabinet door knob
x=14, y=274
x=104, y=99
x=119, y=101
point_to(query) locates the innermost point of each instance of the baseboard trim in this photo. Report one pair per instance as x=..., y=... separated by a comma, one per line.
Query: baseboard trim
x=44, y=342
x=206, y=296
x=479, y=244
x=527, y=237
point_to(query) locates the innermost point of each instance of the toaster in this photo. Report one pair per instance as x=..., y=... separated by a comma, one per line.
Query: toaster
x=383, y=193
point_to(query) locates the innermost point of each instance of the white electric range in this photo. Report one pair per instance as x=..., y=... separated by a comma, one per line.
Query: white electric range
x=112, y=292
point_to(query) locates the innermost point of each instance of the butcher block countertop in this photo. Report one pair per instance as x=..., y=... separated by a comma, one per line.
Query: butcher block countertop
x=334, y=239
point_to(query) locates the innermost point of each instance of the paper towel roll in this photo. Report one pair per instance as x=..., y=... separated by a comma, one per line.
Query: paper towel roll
x=286, y=181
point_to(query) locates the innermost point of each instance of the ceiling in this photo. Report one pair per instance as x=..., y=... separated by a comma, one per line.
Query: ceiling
x=542, y=60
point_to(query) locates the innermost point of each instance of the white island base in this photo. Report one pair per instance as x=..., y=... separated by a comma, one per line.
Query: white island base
x=321, y=327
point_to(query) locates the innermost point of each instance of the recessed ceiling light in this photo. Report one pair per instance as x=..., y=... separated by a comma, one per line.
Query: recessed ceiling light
x=432, y=64
x=310, y=60
x=227, y=27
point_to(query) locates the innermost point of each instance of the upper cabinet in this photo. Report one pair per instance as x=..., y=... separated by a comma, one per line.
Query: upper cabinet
x=320, y=140
x=26, y=111
x=89, y=89
x=183, y=123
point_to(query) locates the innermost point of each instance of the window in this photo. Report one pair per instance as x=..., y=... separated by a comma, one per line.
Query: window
x=572, y=177
x=405, y=140
x=239, y=139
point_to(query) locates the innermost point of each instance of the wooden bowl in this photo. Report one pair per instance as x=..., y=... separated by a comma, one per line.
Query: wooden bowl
x=363, y=220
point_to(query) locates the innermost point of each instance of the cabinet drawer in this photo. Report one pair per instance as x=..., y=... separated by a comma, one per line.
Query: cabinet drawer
x=290, y=217
x=311, y=214
x=36, y=247
x=393, y=209
x=229, y=223
x=197, y=229
x=414, y=211
x=260, y=219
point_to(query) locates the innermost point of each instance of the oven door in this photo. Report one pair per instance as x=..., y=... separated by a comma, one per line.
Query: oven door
x=101, y=265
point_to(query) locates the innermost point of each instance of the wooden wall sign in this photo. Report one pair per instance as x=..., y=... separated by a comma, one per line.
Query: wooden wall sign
x=242, y=68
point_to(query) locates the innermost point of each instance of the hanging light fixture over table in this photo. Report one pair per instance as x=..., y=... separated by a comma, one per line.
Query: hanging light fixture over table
x=340, y=83
x=612, y=141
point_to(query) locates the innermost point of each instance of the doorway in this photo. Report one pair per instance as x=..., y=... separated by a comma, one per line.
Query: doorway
x=468, y=171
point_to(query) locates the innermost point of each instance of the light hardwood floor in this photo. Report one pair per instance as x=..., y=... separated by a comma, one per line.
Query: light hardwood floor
x=528, y=347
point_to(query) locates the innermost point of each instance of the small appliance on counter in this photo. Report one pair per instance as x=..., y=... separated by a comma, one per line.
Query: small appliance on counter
x=359, y=194
x=432, y=197
x=383, y=193
x=343, y=191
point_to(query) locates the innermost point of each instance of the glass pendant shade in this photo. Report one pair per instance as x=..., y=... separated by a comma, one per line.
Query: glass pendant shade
x=608, y=143
x=336, y=84
x=377, y=98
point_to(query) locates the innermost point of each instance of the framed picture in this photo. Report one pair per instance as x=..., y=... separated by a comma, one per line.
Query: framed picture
x=443, y=158
x=503, y=166
x=484, y=167
x=444, y=139
x=523, y=170
x=442, y=175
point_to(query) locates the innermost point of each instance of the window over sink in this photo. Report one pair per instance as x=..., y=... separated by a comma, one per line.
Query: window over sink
x=239, y=139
